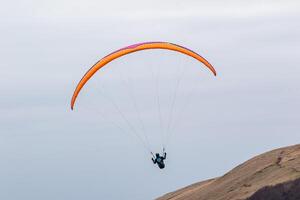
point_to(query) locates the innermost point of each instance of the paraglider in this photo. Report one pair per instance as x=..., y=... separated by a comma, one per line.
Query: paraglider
x=157, y=159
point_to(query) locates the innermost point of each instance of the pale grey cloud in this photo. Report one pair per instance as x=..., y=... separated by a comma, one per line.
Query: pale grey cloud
x=134, y=9
x=49, y=152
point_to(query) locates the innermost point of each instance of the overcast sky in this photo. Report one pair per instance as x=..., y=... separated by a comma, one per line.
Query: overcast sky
x=49, y=152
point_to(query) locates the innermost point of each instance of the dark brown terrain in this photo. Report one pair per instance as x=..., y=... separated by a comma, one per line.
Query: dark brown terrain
x=274, y=175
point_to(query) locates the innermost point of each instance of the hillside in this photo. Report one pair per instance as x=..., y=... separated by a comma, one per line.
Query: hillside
x=273, y=174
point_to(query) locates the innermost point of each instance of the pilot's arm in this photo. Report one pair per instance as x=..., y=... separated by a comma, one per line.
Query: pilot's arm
x=154, y=161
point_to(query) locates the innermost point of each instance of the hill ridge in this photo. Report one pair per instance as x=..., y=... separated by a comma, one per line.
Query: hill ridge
x=272, y=168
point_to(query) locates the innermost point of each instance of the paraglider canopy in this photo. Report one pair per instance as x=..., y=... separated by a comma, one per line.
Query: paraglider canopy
x=133, y=48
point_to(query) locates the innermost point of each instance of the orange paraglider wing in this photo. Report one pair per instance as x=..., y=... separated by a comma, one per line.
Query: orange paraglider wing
x=134, y=48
